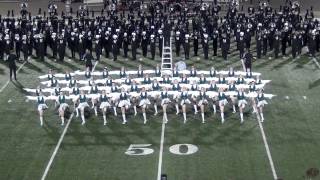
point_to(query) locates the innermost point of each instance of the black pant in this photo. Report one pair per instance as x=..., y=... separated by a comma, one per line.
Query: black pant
x=13, y=70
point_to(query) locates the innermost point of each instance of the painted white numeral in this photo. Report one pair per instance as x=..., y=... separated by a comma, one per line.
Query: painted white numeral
x=139, y=150
x=190, y=149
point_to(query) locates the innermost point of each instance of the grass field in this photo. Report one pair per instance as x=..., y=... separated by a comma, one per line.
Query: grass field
x=225, y=152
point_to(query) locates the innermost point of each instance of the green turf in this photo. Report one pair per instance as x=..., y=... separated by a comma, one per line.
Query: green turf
x=228, y=151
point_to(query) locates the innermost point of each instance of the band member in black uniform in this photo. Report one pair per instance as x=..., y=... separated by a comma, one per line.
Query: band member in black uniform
x=312, y=44
x=18, y=43
x=144, y=43
x=265, y=42
x=114, y=47
x=134, y=44
x=294, y=45
x=215, y=36
x=152, y=46
x=186, y=46
x=81, y=46
x=61, y=48
x=247, y=58
x=195, y=36
x=160, y=36
x=40, y=47
x=107, y=43
x=276, y=45
x=24, y=47
x=259, y=44
x=205, y=45
x=178, y=43
x=12, y=66
x=224, y=47
x=125, y=43
x=72, y=43
x=98, y=47
x=54, y=45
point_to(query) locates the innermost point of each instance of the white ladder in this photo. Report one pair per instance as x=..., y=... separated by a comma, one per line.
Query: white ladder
x=166, y=65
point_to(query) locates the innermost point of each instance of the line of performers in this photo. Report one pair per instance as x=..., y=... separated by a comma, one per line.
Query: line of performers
x=143, y=95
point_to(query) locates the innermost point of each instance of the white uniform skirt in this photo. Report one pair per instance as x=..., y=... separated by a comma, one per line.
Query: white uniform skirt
x=42, y=107
x=104, y=105
x=83, y=105
x=202, y=102
x=144, y=102
x=262, y=103
x=185, y=101
x=165, y=101
x=63, y=106
x=242, y=102
x=223, y=102
x=123, y=103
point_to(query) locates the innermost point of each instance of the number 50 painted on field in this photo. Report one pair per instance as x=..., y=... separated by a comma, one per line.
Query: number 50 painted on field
x=144, y=149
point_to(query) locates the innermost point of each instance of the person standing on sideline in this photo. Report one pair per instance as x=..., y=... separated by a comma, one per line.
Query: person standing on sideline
x=12, y=65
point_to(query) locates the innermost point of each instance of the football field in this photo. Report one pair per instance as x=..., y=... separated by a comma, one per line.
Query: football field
x=285, y=146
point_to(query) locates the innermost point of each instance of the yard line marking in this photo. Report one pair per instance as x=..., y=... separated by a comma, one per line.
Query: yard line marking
x=274, y=173
x=7, y=83
x=45, y=173
x=95, y=64
x=315, y=61
x=161, y=151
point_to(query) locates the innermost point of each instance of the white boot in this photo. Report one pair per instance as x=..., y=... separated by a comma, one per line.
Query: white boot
x=195, y=109
x=262, y=118
x=77, y=111
x=144, y=118
x=104, y=120
x=222, y=117
x=254, y=110
x=177, y=109
x=83, y=120
x=124, y=121
x=214, y=109
x=155, y=109
x=184, y=117
x=135, y=110
x=95, y=111
x=41, y=121
x=62, y=121
x=165, y=118
x=115, y=111
x=241, y=117
x=202, y=115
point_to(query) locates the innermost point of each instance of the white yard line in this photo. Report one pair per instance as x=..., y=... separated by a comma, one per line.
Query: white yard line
x=274, y=173
x=45, y=173
x=315, y=61
x=7, y=83
x=161, y=151
x=95, y=65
